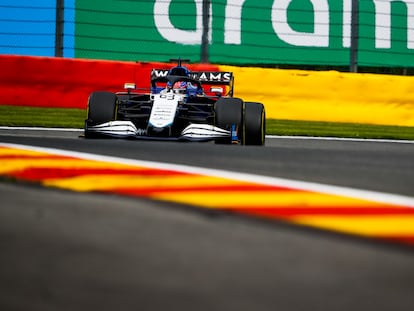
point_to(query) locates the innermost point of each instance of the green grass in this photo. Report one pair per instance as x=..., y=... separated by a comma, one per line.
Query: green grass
x=330, y=129
x=74, y=118
x=41, y=117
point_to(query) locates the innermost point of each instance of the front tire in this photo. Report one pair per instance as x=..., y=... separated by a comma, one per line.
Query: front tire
x=229, y=112
x=102, y=107
x=255, y=124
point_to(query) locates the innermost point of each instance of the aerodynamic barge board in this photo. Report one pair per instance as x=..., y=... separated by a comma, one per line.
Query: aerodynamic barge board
x=343, y=210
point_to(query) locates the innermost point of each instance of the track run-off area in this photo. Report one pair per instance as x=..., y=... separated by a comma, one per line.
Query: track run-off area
x=354, y=197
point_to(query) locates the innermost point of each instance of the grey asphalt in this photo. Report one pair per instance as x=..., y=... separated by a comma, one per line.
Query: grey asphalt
x=71, y=251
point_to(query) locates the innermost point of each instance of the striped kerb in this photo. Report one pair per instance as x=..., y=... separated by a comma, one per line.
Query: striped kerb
x=339, y=213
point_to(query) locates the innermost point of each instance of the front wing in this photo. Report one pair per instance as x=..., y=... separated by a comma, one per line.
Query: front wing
x=126, y=129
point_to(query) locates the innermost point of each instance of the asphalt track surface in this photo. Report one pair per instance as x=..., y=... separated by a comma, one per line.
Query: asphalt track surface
x=71, y=251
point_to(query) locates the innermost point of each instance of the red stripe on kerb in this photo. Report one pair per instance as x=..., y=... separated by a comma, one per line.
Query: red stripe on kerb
x=195, y=188
x=40, y=173
x=292, y=211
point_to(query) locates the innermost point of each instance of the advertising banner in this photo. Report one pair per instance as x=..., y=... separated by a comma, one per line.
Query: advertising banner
x=309, y=32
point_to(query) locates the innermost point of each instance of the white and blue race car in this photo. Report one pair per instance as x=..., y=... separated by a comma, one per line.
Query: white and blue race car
x=177, y=107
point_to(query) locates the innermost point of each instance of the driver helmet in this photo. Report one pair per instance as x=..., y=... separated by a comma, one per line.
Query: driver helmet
x=178, y=87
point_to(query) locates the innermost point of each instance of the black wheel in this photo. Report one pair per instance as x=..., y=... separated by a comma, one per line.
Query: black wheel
x=101, y=107
x=229, y=112
x=255, y=124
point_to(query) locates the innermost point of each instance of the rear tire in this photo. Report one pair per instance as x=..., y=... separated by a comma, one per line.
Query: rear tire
x=228, y=112
x=255, y=124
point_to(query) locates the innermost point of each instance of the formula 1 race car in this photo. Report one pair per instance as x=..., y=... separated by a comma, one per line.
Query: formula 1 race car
x=178, y=107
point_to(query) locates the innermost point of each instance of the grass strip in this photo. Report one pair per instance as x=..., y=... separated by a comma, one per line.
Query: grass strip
x=74, y=118
x=343, y=130
x=42, y=117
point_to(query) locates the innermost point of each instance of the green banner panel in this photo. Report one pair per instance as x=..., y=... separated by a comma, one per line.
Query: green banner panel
x=307, y=32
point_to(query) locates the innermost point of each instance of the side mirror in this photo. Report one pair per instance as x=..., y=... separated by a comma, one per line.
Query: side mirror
x=130, y=86
x=216, y=90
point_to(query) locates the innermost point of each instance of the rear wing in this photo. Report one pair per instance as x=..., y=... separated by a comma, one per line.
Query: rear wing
x=224, y=78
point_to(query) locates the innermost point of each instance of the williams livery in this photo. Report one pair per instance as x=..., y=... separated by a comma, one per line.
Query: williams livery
x=179, y=105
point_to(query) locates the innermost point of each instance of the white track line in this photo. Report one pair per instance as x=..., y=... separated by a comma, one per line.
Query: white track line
x=264, y=180
x=342, y=139
x=24, y=128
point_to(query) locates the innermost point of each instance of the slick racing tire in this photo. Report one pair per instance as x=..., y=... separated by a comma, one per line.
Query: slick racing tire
x=255, y=124
x=229, y=112
x=101, y=107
